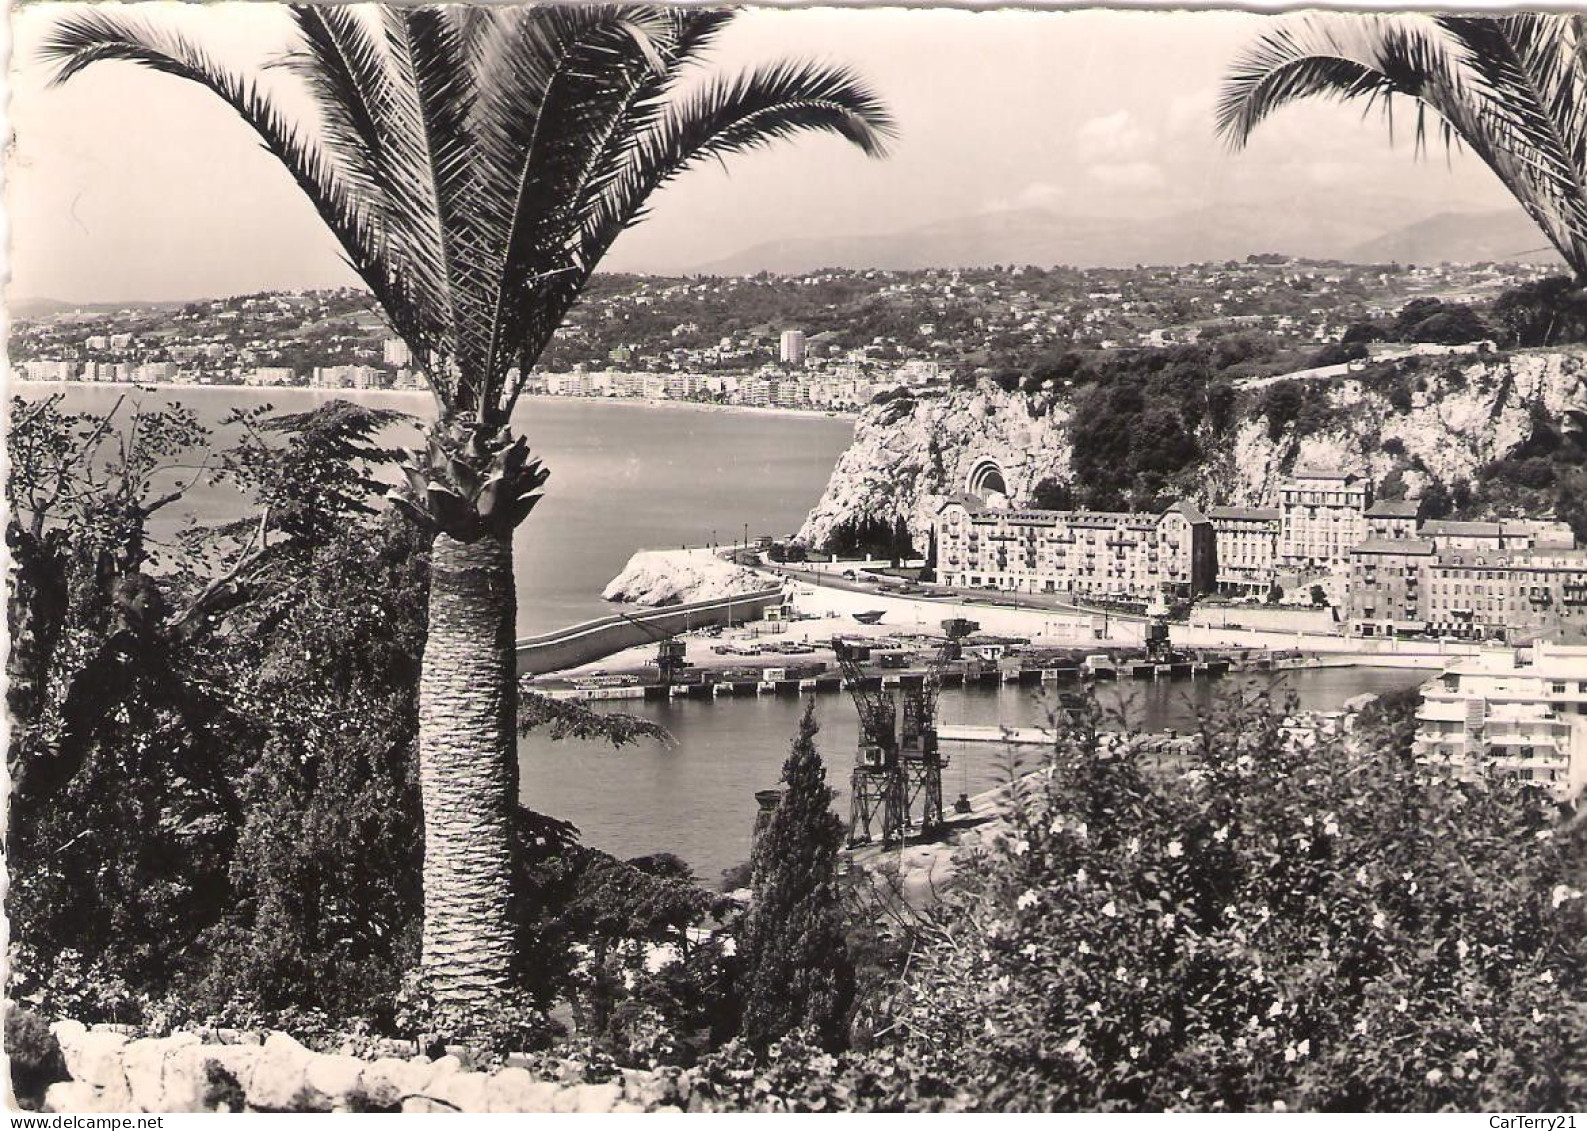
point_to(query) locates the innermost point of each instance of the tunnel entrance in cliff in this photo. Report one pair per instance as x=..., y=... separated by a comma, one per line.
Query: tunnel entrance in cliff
x=986, y=482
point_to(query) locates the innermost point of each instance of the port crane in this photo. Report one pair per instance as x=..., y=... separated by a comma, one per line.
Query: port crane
x=897, y=768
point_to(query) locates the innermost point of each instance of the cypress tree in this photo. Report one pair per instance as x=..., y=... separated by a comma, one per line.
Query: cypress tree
x=797, y=971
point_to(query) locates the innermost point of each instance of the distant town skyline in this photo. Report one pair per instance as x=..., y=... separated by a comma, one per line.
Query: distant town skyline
x=126, y=185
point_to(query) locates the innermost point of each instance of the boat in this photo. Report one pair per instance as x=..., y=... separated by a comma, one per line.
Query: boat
x=872, y=616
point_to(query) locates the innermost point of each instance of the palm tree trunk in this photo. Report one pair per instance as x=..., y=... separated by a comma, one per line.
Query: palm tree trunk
x=468, y=771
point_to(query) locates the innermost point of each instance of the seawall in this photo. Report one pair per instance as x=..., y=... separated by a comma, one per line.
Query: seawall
x=591, y=640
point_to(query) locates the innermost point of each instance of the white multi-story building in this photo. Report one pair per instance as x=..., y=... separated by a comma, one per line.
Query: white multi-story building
x=271, y=375
x=1322, y=515
x=49, y=370
x=395, y=352
x=1247, y=544
x=792, y=347
x=1519, y=711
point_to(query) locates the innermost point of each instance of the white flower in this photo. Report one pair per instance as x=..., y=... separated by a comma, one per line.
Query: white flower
x=1072, y=1046
x=1121, y=974
x=1080, y=830
x=1133, y=846
x=1221, y=834
x=1028, y=950
x=1276, y=1009
x=1085, y=947
x=1135, y=1051
x=1435, y=1075
x=1239, y=1043
x=1545, y=834
x=1306, y=820
x=1094, y=1008
x=1169, y=920
x=1546, y=976
x=1330, y=825
x=1361, y=875
x=1461, y=949
x=1536, y=1016
x=1003, y=984
x=1378, y=921
x=1562, y=893
x=1289, y=1055
x=1471, y=1054
x=1401, y=1006
x=1476, y=1026
x=1175, y=849
x=1304, y=1048
x=1027, y=900
x=1081, y=876
x=1057, y=825
x=1279, y=1106
x=1110, y=910
x=1361, y=1026
x=1019, y=847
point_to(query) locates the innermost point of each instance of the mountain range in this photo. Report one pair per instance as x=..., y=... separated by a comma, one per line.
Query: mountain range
x=1378, y=234
x=1381, y=231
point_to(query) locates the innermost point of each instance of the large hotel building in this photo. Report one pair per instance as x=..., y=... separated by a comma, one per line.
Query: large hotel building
x=1392, y=573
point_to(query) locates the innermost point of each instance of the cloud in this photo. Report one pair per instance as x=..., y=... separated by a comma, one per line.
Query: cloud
x=1128, y=174
x=1037, y=194
x=1193, y=111
x=1114, y=137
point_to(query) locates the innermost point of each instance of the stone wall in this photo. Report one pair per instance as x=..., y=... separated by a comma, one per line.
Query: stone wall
x=228, y=1071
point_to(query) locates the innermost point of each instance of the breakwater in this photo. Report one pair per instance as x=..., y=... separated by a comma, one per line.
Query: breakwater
x=592, y=640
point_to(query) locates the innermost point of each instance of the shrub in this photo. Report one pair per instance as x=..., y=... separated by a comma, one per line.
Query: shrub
x=35, y=1057
x=1284, y=917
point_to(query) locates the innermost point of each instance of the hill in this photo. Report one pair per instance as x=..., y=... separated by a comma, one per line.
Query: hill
x=1460, y=237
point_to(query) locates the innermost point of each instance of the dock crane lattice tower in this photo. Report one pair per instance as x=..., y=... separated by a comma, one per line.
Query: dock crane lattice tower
x=875, y=786
x=898, y=769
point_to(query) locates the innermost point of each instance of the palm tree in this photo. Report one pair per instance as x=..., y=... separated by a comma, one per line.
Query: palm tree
x=1511, y=88
x=475, y=164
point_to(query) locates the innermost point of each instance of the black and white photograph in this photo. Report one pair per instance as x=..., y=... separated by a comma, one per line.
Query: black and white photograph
x=611, y=558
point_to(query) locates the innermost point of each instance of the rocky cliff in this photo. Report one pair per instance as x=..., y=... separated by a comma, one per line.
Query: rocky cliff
x=674, y=577
x=1426, y=418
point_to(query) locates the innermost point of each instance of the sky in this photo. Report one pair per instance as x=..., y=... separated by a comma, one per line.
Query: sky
x=124, y=184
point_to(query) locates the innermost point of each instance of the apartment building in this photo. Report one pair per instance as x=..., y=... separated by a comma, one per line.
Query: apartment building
x=1322, y=515
x=1393, y=519
x=1246, y=541
x=1109, y=555
x=1399, y=586
x=1521, y=712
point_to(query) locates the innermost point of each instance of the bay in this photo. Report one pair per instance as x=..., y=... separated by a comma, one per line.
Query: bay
x=625, y=476
x=697, y=799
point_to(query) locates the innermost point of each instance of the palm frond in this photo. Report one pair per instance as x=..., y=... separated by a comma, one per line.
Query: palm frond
x=82, y=39
x=1526, y=73
x=722, y=117
x=580, y=78
x=1506, y=87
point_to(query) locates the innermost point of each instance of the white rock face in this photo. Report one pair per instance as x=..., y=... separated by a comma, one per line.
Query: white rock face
x=670, y=577
x=910, y=453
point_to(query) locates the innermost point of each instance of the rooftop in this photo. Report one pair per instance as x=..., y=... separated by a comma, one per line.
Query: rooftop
x=1245, y=514
x=1394, y=508
x=1394, y=546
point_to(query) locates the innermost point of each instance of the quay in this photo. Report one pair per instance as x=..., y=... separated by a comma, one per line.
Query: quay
x=816, y=678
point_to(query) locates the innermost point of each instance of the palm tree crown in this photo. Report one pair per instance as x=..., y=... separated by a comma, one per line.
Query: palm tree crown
x=1510, y=88
x=475, y=163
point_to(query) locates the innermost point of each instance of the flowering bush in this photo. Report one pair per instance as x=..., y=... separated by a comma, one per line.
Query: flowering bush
x=1290, y=920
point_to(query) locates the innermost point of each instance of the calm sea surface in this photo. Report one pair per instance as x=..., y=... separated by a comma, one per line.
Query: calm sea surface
x=628, y=476
x=624, y=477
